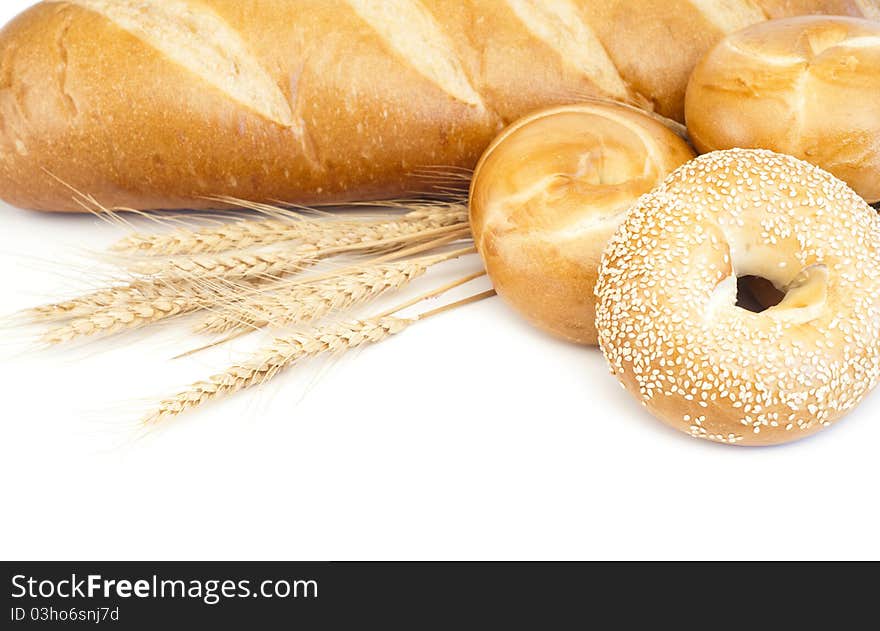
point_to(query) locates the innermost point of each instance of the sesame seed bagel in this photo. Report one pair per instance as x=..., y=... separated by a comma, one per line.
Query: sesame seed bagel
x=666, y=299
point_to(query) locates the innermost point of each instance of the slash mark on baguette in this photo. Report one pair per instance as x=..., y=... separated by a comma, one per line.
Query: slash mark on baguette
x=560, y=25
x=202, y=42
x=413, y=33
x=730, y=15
x=62, y=70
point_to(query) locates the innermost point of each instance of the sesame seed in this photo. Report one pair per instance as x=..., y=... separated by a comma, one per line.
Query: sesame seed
x=666, y=309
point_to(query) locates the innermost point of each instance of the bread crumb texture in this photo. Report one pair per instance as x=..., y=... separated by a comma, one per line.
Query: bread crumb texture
x=666, y=299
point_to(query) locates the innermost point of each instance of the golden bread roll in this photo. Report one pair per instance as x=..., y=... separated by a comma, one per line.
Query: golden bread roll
x=808, y=87
x=550, y=191
x=667, y=315
x=164, y=103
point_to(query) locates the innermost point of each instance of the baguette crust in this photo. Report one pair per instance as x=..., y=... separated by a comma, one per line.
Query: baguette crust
x=657, y=46
x=161, y=103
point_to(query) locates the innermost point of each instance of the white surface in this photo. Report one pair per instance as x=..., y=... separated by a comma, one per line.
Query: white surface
x=470, y=436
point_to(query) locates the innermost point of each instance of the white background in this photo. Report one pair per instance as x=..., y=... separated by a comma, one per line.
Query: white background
x=468, y=437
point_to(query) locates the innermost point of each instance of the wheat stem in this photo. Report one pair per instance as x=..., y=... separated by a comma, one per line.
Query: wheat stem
x=455, y=305
x=432, y=294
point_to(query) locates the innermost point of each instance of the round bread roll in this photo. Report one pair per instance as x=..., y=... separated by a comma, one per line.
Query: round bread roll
x=667, y=315
x=808, y=87
x=547, y=195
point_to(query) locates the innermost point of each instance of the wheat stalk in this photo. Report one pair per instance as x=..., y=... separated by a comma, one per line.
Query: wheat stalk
x=89, y=303
x=286, y=351
x=111, y=320
x=307, y=302
x=146, y=301
x=279, y=355
x=134, y=306
x=112, y=297
x=231, y=266
x=230, y=236
x=319, y=234
x=135, y=291
x=427, y=221
x=275, y=264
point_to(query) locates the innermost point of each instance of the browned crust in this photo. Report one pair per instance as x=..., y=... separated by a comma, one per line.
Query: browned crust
x=667, y=316
x=797, y=87
x=548, y=194
x=86, y=102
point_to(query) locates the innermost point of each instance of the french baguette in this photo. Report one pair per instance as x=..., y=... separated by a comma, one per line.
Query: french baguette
x=153, y=104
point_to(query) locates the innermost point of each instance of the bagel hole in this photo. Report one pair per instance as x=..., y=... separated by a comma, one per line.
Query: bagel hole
x=757, y=294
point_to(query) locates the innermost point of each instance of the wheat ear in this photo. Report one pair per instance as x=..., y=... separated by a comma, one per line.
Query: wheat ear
x=275, y=264
x=232, y=266
x=134, y=292
x=136, y=305
x=87, y=303
x=308, y=302
x=112, y=297
x=286, y=351
x=125, y=317
x=244, y=234
x=281, y=354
